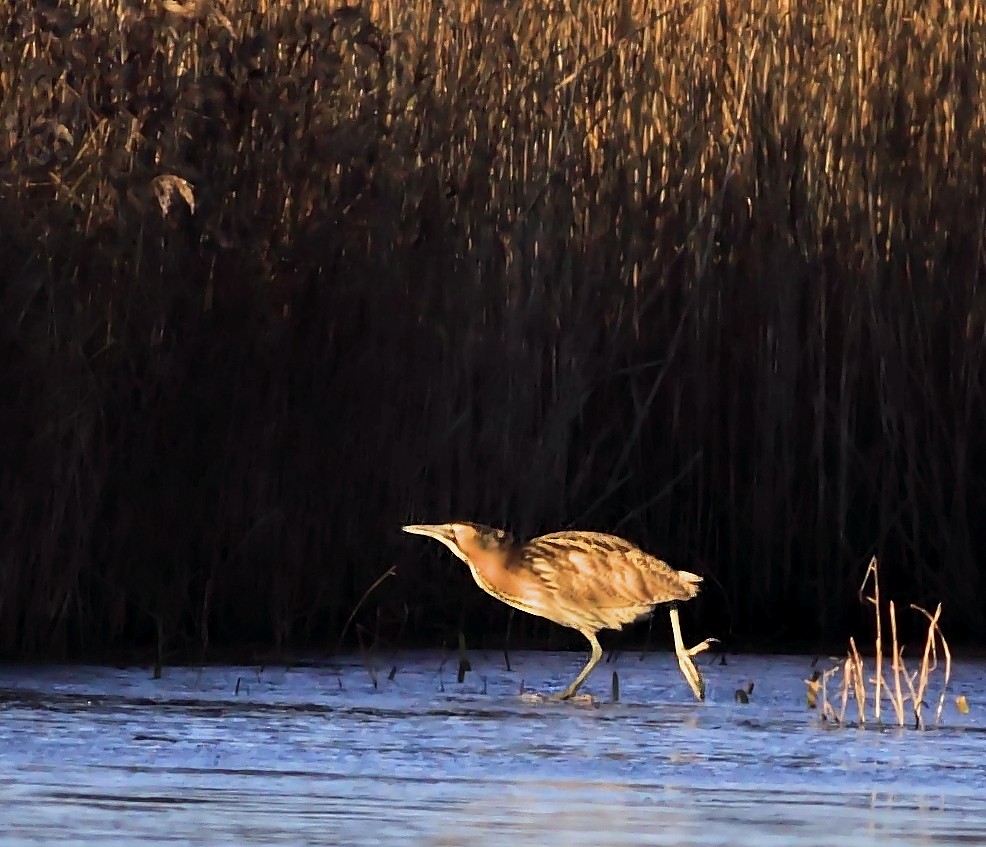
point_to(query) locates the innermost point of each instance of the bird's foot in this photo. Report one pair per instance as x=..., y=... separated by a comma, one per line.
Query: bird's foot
x=689, y=670
x=691, y=675
x=701, y=648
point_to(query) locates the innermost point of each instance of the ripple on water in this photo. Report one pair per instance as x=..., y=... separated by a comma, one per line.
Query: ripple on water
x=317, y=755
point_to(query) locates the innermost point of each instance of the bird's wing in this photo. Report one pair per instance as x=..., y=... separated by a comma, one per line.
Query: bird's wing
x=604, y=571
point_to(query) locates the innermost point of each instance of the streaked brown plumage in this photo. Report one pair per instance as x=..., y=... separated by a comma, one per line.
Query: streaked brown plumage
x=584, y=580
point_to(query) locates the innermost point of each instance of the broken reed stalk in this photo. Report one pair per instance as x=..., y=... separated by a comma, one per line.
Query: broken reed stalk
x=828, y=713
x=859, y=682
x=933, y=624
x=366, y=655
x=847, y=672
x=929, y=664
x=875, y=600
x=898, y=698
x=929, y=656
x=916, y=683
x=342, y=635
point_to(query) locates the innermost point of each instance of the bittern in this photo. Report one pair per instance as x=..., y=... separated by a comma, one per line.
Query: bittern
x=588, y=581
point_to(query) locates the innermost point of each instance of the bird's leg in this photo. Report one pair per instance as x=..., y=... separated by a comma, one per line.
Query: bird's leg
x=597, y=654
x=688, y=668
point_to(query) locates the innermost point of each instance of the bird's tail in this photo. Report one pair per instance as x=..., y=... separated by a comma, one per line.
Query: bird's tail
x=691, y=581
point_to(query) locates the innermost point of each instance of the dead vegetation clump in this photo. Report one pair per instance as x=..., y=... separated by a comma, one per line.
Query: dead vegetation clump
x=905, y=690
x=279, y=276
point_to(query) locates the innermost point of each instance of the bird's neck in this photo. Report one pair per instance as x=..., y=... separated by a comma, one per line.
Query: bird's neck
x=491, y=570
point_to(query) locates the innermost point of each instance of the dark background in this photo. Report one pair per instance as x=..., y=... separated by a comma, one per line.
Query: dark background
x=724, y=303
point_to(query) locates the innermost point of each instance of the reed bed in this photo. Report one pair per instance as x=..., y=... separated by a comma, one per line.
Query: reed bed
x=278, y=277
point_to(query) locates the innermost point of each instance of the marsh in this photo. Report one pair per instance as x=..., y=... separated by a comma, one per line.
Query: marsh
x=318, y=755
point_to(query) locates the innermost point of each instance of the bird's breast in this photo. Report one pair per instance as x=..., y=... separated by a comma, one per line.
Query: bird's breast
x=497, y=576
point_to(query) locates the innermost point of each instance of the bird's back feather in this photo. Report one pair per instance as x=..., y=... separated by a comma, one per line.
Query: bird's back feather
x=592, y=580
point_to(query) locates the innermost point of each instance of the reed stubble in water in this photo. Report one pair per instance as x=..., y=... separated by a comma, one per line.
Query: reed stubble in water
x=278, y=276
x=905, y=691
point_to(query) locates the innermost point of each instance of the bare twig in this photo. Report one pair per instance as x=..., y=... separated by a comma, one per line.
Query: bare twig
x=389, y=572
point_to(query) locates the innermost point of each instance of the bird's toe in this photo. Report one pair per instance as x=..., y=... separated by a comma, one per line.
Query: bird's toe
x=700, y=648
x=560, y=697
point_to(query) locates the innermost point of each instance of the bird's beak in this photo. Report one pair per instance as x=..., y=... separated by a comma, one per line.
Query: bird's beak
x=440, y=532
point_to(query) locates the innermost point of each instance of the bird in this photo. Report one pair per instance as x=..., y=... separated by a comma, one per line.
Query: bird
x=588, y=581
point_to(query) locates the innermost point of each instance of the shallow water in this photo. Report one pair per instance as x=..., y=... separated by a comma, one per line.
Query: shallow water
x=319, y=756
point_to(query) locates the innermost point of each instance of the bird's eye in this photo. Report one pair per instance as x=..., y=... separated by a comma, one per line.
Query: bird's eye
x=493, y=538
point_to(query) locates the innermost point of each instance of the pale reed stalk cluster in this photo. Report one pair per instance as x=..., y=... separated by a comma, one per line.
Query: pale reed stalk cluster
x=905, y=690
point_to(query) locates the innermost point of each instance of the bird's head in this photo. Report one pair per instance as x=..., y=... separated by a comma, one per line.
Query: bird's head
x=466, y=540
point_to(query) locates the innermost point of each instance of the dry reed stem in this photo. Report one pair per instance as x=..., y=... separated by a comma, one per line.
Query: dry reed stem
x=342, y=635
x=828, y=713
x=915, y=694
x=854, y=676
x=935, y=631
x=898, y=697
x=875, y=600
x=858, y=681
x=847, y=676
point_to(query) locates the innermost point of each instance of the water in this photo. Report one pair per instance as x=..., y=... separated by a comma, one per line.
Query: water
x=318, y=756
